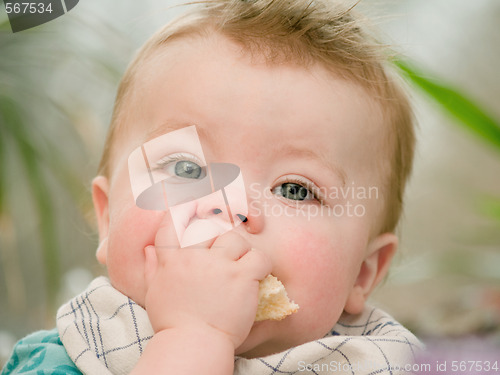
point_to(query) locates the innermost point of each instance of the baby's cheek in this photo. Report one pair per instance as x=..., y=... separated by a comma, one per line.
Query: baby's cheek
x=308, y=253
x=129, y=234
x=315, y=278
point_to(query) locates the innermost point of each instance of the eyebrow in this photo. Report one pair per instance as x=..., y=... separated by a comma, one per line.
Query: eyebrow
x=289, y=150
x=167, y=127
x=171, y=125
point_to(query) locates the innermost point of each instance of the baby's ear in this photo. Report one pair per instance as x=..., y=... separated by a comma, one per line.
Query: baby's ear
x=380, y=252
x=100, y=188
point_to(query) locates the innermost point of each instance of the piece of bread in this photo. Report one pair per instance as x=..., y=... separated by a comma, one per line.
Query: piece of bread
x=274, y=303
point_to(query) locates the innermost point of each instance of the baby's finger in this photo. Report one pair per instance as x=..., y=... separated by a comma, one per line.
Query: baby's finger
x=201, y=233
x=151, y=263
x=230, y=245
x=257, y=263
x=181, y=216
x=166, y=239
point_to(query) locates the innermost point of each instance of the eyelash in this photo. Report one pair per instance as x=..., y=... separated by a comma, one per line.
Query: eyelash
x=166, y=160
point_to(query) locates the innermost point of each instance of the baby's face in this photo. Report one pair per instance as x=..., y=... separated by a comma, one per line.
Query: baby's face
x=300, y=137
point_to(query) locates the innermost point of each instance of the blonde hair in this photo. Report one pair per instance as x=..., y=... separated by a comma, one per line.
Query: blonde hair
x=304, y=32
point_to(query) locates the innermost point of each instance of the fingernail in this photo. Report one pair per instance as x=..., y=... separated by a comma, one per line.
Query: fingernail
x=148, y=249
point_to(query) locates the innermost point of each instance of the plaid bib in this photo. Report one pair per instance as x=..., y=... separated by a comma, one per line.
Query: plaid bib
x=105, y=332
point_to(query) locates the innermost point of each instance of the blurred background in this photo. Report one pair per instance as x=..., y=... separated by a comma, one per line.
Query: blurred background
x=57, y=87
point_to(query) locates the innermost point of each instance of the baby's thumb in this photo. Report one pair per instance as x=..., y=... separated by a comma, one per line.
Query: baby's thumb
x=165, y=239
x=150, y=264
x=166, y=236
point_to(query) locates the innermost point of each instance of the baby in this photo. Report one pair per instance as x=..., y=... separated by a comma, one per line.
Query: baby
x=296, y=95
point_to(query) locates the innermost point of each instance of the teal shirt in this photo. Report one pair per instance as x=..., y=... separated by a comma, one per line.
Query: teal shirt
x=41, y=353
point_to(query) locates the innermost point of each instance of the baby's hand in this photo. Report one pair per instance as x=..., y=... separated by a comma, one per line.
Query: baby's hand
x=202, y=287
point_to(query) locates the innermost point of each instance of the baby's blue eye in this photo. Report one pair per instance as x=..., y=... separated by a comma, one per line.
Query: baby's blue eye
x=187, y=169
x=293, y=191
x=180, y=168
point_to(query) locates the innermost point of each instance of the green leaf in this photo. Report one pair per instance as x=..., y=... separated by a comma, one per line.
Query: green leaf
x=490, y=206
x=463, y=109
x=3, y=169
x=30, y=157
x=5, y=25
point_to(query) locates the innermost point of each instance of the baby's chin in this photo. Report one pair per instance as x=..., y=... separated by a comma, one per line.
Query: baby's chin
x=269, y=337
x=264, y=339
x=254, y=345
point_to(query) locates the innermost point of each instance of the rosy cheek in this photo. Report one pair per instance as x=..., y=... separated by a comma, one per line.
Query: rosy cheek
x=307, y=252
x=135, y=227
x=313, y=273
x=130, y=232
